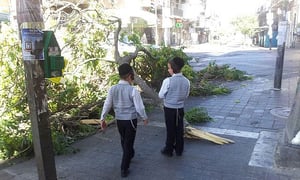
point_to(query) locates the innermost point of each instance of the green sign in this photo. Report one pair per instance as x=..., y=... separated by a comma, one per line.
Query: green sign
x=178, y=25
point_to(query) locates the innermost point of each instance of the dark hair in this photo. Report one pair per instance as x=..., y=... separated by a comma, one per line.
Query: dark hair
x=176, y=64
x=125, y=70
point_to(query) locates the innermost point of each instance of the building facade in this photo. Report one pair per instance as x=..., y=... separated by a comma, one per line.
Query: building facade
x=161, y=22
x=169, y=22
x=278, y=21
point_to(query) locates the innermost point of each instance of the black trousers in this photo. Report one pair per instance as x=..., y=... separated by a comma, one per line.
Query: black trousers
x=127, y=130
x=175, y=130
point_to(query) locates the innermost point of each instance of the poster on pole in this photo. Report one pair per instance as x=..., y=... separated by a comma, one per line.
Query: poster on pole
x=282, y=28
x=32, y=44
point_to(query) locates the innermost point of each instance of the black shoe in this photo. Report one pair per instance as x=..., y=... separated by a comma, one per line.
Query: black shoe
x=132, y=155
x=124, y=173
x=168, y=154
x=178, y=154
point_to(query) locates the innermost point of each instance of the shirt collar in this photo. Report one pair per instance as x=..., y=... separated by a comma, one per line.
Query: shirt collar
x=123, y=82
x=177, y=74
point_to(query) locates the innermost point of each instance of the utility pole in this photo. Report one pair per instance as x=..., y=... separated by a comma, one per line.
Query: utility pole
x=30, y=22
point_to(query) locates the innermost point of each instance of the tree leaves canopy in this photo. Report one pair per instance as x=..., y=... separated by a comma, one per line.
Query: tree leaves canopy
x=245, y=24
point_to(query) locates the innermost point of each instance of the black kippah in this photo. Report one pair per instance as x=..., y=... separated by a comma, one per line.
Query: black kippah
x=125, y=69
x=178, y=62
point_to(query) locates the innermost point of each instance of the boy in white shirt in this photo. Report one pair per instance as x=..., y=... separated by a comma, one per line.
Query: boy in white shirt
x=128, y=105
x=174, y=91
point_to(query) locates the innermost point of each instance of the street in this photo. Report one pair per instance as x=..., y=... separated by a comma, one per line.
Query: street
x=256, y=61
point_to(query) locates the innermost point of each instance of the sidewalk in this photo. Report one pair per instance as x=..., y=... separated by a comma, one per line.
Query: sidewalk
x=253, y=115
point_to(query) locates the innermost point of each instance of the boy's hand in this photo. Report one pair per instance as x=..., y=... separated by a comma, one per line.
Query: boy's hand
x=103, y=125
x=145, y=121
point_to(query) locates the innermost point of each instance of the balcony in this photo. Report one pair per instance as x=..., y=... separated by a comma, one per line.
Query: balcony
x=175, y=12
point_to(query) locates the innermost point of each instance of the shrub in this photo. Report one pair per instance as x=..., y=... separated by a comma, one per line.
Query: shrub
x=222, y=72
x=15, y=139
x=154, y=71
x=206, y=88
x=197, y=115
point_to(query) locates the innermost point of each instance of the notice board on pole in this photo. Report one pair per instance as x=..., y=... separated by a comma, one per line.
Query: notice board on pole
x=32, y=44
x=282, y=29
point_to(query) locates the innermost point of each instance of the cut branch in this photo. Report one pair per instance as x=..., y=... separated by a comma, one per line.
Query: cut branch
x=148, y=91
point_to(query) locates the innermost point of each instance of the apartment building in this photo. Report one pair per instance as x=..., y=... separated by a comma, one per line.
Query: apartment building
x=169, y=22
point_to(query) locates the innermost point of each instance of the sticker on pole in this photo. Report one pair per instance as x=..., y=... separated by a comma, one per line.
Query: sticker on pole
x=282, y=32
x=32, y=44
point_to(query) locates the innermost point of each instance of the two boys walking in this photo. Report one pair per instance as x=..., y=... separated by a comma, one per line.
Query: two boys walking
x=128, y=106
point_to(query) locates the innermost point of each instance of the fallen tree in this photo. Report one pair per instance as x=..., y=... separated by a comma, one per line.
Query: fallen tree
x=149, y=92
x=129, y=57
x=190, y=132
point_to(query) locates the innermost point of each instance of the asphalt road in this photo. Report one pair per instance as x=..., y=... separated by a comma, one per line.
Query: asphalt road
x=255, y=61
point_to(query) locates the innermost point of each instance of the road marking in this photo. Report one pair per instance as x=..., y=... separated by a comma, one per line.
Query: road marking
x=282, y=112
x=264, y=150
x=230, y=132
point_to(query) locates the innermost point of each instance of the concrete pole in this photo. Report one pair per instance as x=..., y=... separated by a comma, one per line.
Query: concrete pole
x=279, y=66
x=30, y=18
x=282, y=30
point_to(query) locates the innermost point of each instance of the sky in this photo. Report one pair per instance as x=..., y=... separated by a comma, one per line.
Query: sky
x=227, y=9
x=4, y=8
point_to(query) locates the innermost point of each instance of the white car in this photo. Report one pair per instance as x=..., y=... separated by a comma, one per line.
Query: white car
x=125, y=47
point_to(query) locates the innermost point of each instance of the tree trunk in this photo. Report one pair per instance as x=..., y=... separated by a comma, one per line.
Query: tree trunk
x=148, y=91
